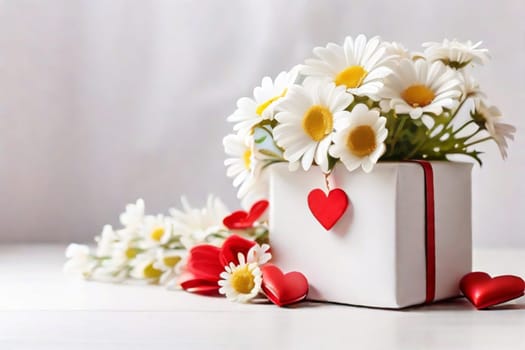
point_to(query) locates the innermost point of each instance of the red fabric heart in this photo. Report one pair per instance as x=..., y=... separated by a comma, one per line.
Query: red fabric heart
x=484, y=291
x=283, y=289
x=202, y=270
x=206, y=262
x=327, y=209
x=232, y=247
x=240, y=219
x=193, y=284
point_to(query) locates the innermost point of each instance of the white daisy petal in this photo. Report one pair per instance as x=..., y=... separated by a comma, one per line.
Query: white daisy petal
x=308, y=157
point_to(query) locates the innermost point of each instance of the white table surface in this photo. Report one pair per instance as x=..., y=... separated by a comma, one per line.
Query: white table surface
x=40, y=308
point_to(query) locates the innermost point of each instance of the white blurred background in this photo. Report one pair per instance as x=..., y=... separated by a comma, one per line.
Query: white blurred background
x=103, y=102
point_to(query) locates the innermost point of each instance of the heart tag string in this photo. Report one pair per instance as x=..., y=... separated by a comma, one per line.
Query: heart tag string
x=327, y=182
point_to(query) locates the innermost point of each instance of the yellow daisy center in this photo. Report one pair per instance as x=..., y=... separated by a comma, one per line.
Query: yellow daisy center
x=361, y=141
x=151, y=272
x=157, y=234
x=260, y=108
x=242, y=280
x=318, y=122
x=246, y=157
x=418, y=95
x=351, y=77
x=171, y=261
x=131, y=253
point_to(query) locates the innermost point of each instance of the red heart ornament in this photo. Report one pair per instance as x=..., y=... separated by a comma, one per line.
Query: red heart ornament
x=193, y=284
x=283, y=289
x=240, y=219
x=232, y=246
x=327, y=209
x=484, y=291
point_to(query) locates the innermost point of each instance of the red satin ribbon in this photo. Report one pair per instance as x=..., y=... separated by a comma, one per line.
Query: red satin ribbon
x=430, y=230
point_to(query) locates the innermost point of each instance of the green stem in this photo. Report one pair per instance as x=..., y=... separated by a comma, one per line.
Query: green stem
x=478, y=141
x=445, y=126
x=417, y=148
x=473, y=134
x=456, y=112
x=396, y=134
x=266, y=129
x=462, y=127
x=100, y=258
x=423, y=142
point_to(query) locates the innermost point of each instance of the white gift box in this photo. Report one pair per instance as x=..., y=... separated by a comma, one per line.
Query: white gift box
x=375, y=255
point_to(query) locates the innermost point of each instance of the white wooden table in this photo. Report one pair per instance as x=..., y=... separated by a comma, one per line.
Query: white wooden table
x=40, y=308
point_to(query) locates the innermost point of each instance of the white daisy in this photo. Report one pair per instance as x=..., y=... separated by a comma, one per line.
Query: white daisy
x=360, y=65
x=109, y=274
x=79, y=260
x=259, y=254
x=306, y=119
x=484, y=115
x=418, y=87
x=242, y=282
x=252, y=111
x=106, y=241
x=469, y=86
x=125, y=250
x=456, y=54
x=133, y=216
x=157, y=230
x=265, y=152
x=488, y=118
x=169, y=261
x=143, y=267
x=359, y=140
x=500, y=132
x=195, y=225
x=242, y=166
x=397, y=50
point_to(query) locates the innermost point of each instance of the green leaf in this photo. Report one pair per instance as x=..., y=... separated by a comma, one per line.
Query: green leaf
x=261, y=139
x=331, y=162
x=269, y=153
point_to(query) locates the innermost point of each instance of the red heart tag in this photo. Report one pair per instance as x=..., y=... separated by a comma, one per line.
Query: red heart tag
x=283, y=289
x=484, y=291
x=240, y=219
x=327, y=209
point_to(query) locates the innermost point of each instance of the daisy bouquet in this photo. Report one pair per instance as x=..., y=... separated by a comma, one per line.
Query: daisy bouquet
x=355, y=104
x=362, y=102
x=154, y=248
x=208, y=251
